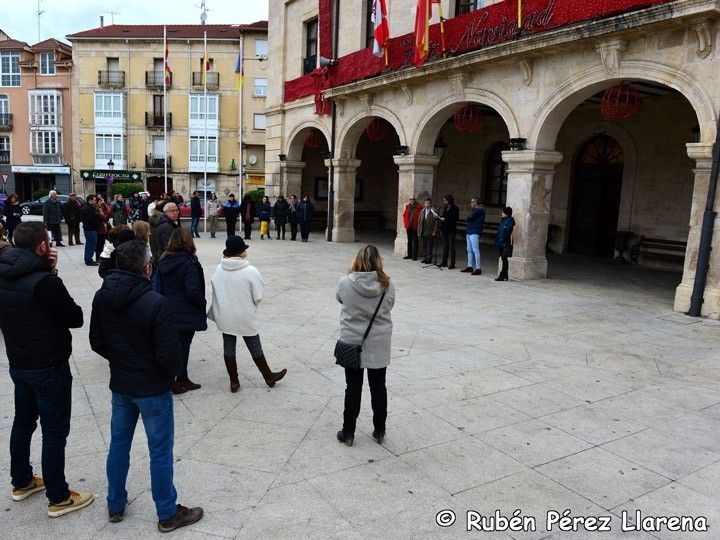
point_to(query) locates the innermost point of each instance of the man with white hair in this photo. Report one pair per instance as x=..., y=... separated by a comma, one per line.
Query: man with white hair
x=168, y=222
x=52, y=216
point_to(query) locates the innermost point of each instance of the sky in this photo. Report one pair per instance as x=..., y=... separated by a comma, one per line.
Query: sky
x=63, y=17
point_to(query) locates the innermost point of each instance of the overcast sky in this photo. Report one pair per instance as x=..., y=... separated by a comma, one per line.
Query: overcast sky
x=62, y=17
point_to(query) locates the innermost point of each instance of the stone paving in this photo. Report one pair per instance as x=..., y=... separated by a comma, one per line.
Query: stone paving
x=584, y=392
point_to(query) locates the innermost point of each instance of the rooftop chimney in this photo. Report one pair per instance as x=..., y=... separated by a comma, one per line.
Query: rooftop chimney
x=102, y=21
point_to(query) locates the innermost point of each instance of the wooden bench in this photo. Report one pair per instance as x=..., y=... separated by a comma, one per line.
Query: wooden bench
x=658, y=248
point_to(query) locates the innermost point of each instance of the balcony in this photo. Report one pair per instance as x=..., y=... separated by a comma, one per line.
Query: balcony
x=213, y=80
x=111, y=79
x=46, y=159
x=309, y=64
x=4, y=157
x=6, y=122
x=157, y=163
x=155, y=121
x=156, y=79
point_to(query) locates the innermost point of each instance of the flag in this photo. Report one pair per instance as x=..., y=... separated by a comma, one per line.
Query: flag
x=239, y=72
x=204, y=67
x=168, y=73
x=422, y=30
x=381, y=31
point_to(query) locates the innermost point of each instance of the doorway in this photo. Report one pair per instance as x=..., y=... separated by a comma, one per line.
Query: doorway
x=597, y=187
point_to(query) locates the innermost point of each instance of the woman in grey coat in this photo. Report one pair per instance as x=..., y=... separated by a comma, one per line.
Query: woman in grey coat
x=360, y=292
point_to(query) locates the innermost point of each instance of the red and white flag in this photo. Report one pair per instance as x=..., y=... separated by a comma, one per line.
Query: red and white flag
x=381, y=32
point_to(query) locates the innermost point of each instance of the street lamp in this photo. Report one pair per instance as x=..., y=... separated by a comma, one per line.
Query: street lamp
x=111, y=164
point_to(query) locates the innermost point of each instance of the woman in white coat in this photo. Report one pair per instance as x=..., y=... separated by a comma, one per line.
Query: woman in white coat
x=237, y=290
x=360, y=293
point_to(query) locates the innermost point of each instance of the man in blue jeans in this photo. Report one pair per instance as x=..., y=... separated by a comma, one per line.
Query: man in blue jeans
x=36, y=313
x=475, y=225
x=132, y=327
x=90, y=222
x=195, y=213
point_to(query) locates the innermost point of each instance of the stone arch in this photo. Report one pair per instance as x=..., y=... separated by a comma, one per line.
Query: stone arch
x=296, y=140
x=432, y=119
x=552, y=113
x=351, y=131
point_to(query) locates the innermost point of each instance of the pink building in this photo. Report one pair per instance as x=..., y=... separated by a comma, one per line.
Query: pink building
x=35, y=114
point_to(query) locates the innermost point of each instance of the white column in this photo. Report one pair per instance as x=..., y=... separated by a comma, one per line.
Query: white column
x=529, y=193
x=702, y=154
x=345, y=171
x=416, y=175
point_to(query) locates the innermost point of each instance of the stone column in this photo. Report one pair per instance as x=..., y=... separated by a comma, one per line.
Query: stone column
x=415, y=179
x=702, y=154
x=291, y=178
x=344, y=202
x=529, y=194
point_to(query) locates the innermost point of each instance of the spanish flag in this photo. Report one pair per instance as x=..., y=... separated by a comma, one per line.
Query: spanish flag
x=422, y=30
x=205, y=67
x=168, y=73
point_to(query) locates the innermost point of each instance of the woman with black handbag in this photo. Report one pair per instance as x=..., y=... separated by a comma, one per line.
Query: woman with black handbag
x=503, y=241
x=367, y=296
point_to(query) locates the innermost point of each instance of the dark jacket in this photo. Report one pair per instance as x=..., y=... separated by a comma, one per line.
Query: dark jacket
x=71, y=212
x=305, y=211
x=165, y=227
x=505, y=229
x=181, y=280
x=247, y=211
x=292, y=210
x=13, y=220
x=475, y=221
x=89, y=218
x=451, y=213
x=280, y=212
x=36, y=312
x=264, y=211
x=119, y=213
x=52, y=211
x=144, y=203
x=133, y=328
x=195, y=207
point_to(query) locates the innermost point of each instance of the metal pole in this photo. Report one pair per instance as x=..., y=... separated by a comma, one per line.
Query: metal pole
x=207, y=149
x=242, y=89
x=331, y=181
x=165, y=143
x=706, y=234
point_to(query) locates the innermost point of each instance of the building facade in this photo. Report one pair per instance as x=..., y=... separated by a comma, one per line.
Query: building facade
x=35, y=112
x=594, y=121
x=122, y=114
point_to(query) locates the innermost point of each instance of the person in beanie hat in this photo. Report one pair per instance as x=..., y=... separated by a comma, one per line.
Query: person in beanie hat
x=237, y=290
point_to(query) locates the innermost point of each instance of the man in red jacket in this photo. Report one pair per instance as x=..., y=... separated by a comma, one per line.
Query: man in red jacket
x=411, y=217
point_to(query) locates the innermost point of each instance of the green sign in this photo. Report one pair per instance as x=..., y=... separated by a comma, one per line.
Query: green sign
x=117, y=176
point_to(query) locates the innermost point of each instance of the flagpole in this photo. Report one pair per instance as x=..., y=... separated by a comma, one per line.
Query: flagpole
x=165, y=144
x=207, y=149
x=442, y=29
x=519, y=14
x=240, y=108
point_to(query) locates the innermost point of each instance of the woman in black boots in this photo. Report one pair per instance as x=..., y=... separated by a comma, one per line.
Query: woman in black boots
x=503, y=241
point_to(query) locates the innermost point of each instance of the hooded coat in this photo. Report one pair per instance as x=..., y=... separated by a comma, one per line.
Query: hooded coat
x=237, y=290
x=359, y=294
x=181, y=280
x=133, y=328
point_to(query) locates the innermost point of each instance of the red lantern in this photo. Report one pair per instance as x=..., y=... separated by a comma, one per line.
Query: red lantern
x=314, y=139
x=468, y=119
x=620, y=102
x=377, y=130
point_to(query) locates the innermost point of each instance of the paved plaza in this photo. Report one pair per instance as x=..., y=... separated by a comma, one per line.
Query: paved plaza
x=583, y=392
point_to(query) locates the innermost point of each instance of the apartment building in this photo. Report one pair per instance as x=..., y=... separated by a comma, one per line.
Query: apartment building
x=35, y=109
x=122, y=114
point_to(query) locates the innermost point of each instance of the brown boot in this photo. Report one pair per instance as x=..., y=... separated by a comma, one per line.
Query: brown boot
x=270, y=377
x=182, y=518
x=231, y=366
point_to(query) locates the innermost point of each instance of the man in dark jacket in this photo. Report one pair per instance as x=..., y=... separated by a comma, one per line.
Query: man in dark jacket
x=133, y=328
x=475, y=225
x=195, y=213
x=449, y=215
x=90, y=222
x=52, y=216
x=232, y=209
x=36, y=313
x=166, y=224
x=247, y=215
x=71, y=214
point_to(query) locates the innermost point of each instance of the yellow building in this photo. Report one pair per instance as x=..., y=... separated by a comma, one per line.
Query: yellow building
x=118, y=108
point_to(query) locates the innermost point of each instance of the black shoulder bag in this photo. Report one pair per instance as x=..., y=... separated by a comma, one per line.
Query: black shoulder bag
x=347, y=355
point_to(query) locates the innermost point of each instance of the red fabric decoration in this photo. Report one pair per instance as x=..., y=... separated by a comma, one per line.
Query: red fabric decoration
x=320, y=83
x=475, y=30
x=315, y=139
x=620, y=102
x=377, y=130
x=468, y=119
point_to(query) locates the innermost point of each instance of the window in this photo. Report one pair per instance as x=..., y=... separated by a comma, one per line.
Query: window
x=369, y=30
x=198, y=109
x=108, y=105
x=197, y=149
x=113, y=63
x=4, y=104
x=496, y=177
x=259, y=121
x=211, y=64
x=261, y=48
x=466, y=6
x=311, y=45
x=46, y=142
x=4, y=150
x=260, y=86
x=47, y=63
x=109, y=147
x=45, y=108
x=9, y=69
